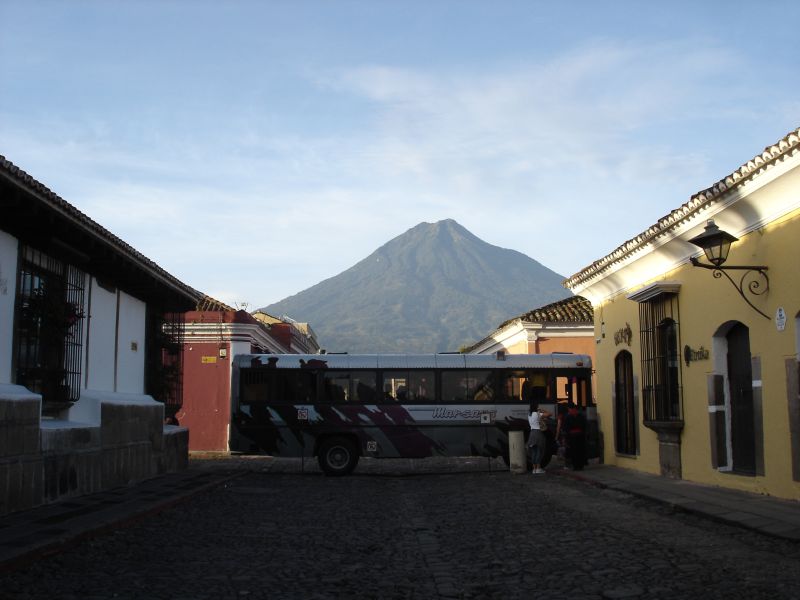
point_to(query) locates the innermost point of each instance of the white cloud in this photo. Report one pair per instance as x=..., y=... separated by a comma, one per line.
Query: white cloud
x=562, y=159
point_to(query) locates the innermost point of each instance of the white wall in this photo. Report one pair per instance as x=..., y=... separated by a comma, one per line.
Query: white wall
x=100, y=341
x=130, y=348
x=111, y=340
x=8, y=287
x=115, y=351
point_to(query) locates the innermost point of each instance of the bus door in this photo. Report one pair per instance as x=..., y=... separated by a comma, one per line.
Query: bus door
x=575, y=386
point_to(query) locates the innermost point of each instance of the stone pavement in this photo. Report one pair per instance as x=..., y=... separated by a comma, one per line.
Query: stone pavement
x=28, y=535
x=405, y=530
x=31, y=534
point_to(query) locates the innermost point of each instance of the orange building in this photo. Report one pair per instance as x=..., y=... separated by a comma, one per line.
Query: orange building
x=563, y=326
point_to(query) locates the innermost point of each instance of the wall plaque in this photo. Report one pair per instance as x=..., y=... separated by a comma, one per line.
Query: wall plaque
x=691, y=355
x=623, y=335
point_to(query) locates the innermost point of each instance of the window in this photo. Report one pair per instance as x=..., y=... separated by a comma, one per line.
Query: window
x=409, y=386
x=349, y=386
x=661, y=386
x=482, y=386
x=667, y=365
x=515, y=386
x=48, y=328
x=535, y=387
x=362, y=387
x=468, y=386
x=454, y=386
x=395, y=386
x=624, y=404
x=421, y=386
x=270, y=386
x=335, y=386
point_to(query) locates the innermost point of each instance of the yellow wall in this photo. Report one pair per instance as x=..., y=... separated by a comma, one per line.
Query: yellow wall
x=706, y=303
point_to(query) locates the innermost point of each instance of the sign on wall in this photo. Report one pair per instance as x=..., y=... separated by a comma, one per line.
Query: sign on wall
x=691, y=355
x=780, y=319
x=623, y=335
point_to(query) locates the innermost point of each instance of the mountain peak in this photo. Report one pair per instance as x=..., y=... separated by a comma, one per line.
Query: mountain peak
x=431, y=289
x=443, y=225
x=446, y=231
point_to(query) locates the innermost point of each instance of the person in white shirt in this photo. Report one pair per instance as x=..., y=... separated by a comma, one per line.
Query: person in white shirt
x=537, y=441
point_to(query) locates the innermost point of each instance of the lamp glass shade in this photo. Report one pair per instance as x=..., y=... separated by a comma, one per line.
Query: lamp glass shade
x=715, y=243
x=718, y=253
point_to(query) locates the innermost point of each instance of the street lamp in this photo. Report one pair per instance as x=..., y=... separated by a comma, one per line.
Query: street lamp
x=716, y=244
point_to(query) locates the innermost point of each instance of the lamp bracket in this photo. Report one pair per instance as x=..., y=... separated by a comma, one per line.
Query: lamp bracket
x=752, y=276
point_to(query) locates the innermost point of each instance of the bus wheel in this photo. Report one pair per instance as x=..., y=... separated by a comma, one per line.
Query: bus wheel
x=337, y=456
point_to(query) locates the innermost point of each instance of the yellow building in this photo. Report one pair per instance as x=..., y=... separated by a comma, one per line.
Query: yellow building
x=697, y=366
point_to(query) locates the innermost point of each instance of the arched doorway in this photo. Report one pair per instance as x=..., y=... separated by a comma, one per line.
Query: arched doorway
x=740, y=394
x=625, y=418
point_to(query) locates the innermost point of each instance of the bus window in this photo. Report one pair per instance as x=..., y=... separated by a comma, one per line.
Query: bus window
x=298, y=387
x=395, y=386
x=258, y=387
x=563, y=388
x=421, y=386
x=277, y=387
x=409, y=386
x=539, y=390
x=362, y=386
x=336, y=386
x=515, y=386
x=481, y=386
x=467, y=386
x=454, y=386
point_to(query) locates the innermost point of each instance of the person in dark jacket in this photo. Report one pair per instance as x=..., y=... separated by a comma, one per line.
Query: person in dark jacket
x=574, y=430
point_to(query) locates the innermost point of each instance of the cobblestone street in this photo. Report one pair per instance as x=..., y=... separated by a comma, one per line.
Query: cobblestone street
x=279, y=533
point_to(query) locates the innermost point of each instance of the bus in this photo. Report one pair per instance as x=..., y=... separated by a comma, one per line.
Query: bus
x=340, y=407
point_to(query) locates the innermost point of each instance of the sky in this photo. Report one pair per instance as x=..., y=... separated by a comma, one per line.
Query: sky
x=253, y=149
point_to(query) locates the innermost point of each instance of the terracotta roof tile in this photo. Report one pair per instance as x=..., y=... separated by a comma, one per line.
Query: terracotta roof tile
x=575, y=309
x=207, y=303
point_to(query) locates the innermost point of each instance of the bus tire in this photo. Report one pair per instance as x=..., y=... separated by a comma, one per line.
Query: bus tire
x=337, y=456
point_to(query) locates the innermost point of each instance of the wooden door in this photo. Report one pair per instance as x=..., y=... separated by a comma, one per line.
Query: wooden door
x=740, y=381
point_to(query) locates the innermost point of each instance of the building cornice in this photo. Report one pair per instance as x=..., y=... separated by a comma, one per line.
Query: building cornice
x=788, y=146
x=655, y=290
x=230, y=332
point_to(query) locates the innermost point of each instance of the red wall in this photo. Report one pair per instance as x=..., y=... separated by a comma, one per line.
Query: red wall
x=206, y=396
x=282, y=332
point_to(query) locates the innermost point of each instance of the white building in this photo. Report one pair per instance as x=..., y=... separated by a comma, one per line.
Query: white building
x=89, y=352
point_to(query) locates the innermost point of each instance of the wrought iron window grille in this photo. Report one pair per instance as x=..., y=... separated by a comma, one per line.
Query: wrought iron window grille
x=48, y=328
